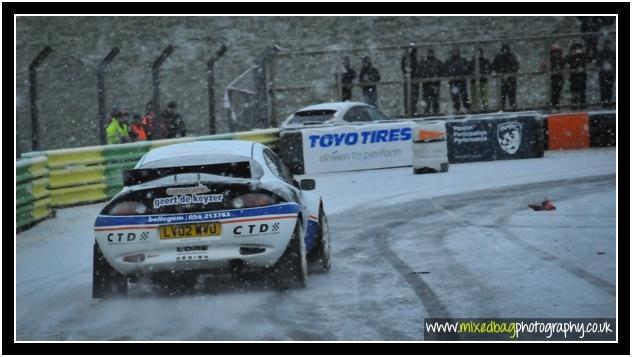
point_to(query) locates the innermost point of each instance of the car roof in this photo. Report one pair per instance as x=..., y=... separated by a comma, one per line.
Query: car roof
x=199, y=149
x=337, y=106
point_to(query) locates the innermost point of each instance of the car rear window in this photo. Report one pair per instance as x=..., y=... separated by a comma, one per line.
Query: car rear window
x=312, y=116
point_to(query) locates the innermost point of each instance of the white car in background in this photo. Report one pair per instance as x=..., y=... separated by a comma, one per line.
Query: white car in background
x=337, y=113
x=209, y=207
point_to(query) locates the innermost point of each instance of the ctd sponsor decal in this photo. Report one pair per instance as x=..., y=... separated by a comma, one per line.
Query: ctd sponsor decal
x=253, y=230
x=129, y=237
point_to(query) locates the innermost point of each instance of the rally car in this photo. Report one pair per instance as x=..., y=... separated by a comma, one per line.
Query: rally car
x=210, y=207
x=338, y=113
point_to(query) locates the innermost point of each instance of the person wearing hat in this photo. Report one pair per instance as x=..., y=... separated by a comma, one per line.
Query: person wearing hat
x=430, y=68
x=369, y=76
x=555, y=63
x=607, y=64
x=116, y=131
x=172, y=122
x=577, y=62
x=410, y=71
x=506, y=63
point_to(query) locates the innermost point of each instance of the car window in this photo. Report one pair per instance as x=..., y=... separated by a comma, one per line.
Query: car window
x=312, y=116
x=376, y=114
x=356, y=114
x=276, y=166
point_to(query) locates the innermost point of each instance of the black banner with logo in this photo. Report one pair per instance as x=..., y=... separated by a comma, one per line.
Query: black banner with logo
x=495, y=138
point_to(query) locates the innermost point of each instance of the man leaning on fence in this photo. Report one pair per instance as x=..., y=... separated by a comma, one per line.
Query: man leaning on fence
x=456, y=68
x=369, y=77
x=480, y=92
x=172, y=122
x=606, y=62
x=431, y=67
x=410, y=71
x=507, y=65
x=116, y=131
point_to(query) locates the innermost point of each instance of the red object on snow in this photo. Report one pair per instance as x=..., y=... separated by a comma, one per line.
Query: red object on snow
x=546, y=205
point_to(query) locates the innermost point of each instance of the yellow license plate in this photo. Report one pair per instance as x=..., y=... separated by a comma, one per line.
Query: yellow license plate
x=190, y=230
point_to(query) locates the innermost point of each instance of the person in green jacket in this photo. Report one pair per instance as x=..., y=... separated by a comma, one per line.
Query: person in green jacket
x=117, y=131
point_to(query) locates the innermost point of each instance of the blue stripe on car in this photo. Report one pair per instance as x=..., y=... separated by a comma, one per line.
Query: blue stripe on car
x=191, y=217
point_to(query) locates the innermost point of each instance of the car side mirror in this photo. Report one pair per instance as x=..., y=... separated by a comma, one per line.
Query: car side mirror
x=308, y=184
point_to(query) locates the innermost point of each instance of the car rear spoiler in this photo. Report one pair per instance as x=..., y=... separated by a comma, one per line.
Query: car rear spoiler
x=239, y=169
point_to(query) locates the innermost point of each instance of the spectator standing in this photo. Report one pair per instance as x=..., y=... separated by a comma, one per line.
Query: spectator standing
x=172, y=122
x=369, y=77
x=456, y=68
x=590, y=25
x=116, y=131
x=606, y=62
x=577, y=61
x=150, y=122
x=431, y=67
x=507, y=65
x=480, y=92
x=137, y=129
x=347, y=78
x=556, y=67
x=410, y=70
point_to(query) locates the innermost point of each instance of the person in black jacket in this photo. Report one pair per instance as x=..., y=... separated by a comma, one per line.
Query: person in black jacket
x=577, y=61
x=172, y=122
x=431, y=67
x=410, y=70
x=369, y=77
x=556, y=66
x=606, y=62
x=456, y=67
x=347, y=78
x=590, y=25
x=480, y=93
x=507, y=64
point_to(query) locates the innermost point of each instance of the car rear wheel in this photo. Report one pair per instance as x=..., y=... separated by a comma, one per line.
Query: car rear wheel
x=320, y=257
x=106, y=282
x=290, y=271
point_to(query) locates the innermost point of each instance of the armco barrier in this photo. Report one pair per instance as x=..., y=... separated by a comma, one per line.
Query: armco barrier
x=66, y=177
x=33, y=201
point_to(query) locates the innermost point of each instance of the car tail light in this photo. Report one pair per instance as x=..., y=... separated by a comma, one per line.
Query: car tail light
x=252, y=200
x=127, y=208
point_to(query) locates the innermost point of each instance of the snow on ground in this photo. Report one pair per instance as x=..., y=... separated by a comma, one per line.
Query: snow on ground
x=344, y=190
x=458, y=244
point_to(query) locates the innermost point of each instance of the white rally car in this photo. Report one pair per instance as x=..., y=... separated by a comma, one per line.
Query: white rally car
x=210, y=207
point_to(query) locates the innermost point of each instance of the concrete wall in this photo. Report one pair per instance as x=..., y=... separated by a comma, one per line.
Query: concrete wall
x=67, y=79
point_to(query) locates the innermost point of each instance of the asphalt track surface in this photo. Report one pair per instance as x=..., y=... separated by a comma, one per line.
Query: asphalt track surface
x=478, y=254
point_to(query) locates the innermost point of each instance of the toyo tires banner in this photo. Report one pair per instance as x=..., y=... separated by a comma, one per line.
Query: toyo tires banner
x=357, y=147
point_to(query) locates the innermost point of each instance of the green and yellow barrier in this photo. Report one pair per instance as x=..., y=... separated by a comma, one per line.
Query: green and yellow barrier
x=32, y=196
x=67, y=177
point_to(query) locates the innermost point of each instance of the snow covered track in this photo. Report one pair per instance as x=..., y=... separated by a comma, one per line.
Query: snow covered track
x=460, y=244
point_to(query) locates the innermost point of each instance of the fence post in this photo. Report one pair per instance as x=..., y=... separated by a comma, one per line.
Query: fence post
x=155, y=76
x=33, y=93
x=210, y=82
x=261, y=86
x=101, y=91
